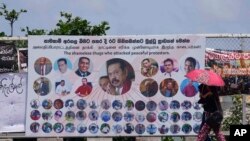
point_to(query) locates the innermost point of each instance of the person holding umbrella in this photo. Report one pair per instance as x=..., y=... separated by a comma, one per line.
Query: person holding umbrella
x=209, y=98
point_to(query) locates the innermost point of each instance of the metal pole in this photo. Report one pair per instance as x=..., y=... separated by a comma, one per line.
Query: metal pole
x=242, y=45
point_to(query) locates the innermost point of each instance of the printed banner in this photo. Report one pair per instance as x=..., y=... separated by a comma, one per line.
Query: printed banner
x=113, y=85
x=13, y=88
x=8, y=57
x=233, y=67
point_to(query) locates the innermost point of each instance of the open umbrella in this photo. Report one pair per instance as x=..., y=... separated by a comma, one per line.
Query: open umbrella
x=207, y=77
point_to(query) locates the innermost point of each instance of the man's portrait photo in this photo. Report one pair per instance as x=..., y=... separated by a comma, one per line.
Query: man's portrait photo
x=148, y=87
x=169, y=87
x=120, y=74
x=149, y=67
x=190, y=64
x=42, y=86
x=83, y=67
x=63, y=66
x=169, y=67
x=62, y=89
x=85, y=89
x=43, y=66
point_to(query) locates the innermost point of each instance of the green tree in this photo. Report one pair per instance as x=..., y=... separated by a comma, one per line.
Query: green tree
x=236, y=114
x=10, y=15
x=78, y=26
x=2, y=34
x=69, y=25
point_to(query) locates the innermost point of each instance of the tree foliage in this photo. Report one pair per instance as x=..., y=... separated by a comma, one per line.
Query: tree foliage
x=69, y=25
x=10, y=15
x=236, y=114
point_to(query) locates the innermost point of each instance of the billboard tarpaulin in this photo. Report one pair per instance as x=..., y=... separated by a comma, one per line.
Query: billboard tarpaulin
x=113, y=85
x=233, y=67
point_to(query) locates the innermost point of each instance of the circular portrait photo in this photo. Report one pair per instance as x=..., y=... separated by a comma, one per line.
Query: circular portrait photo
x=186, y=128
x=84, y=89
x=117, y=128
x=169, y=87
x=47, y=115
x=140, y=128
x=196, y=128
x=197, y=116
x=169, y=67
x=42, y=86
x=81, y=128
x=128, y=116
x=81, y=115
x=139, y=117
x=34, y=127
x=105, y=116
x=63, y=66
x=120, y=75
x=196, y=105
x=163, y=105
x=58, y=127
x=35, y=115
x=151, y=117
x=47, y=104
x=61, y=88
x=93, y=128
x=93, y=104
x=174, y=129
x=186, y=104
x=151, y=129
x=105, y=104
x=151, y=106
x=47, y=127
x=105, y=128
x=140, y=105
x=81, y=104
x=163, y=117
x=148, y=87
x=186, y=116
x=83, y=67
x=34, y=104
x=189, y=64
x=43, y=66
x=163, y=129
x=70, y=128
x=189, y=88
x=174, y=105
x=117, y=104
x=93, y=115
x=149, y=67
x=129, y=105
x=70, y=116
x=129, y=128
x=117, y=116
x=69, y=103
x=58, y=104
x=58, y=115
x=175, y=117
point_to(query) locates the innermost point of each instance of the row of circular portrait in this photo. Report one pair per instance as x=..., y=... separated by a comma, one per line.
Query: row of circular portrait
x=84, y=66
x=105, y=128
x=105, y=104
x=168, y=87
x=115, y=79
x=117, y=116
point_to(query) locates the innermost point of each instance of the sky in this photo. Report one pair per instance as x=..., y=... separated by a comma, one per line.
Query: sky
x=137, y=17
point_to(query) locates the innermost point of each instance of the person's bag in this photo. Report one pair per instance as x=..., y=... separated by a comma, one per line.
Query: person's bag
x=215, y=119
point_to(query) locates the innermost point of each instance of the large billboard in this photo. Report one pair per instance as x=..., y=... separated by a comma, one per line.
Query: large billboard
x=113, y=85
x=233, y=67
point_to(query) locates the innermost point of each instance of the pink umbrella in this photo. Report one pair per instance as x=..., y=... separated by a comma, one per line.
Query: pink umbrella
x=207, y=77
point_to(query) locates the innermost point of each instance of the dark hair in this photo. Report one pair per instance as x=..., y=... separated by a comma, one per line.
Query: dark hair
x=103, y=77
x=116, y=61
x=83, y=58
x=192, y=61
x=168, y=60
x=146, y=60
x=62, y=59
